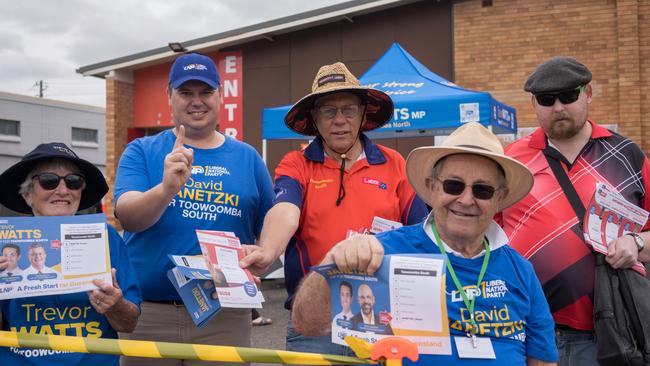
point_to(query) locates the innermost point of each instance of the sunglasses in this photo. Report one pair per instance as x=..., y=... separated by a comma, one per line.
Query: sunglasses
x=330, y=111
x=49, y=181
x=456, y=188
x=565, y=97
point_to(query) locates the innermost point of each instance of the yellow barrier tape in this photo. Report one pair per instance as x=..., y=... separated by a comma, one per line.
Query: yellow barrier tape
x=171, y=350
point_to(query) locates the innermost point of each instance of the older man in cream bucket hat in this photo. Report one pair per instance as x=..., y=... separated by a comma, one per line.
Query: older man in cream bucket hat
x=466, y=181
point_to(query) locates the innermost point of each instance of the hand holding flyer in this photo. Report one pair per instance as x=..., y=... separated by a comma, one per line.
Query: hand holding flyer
x=53, y=255
x=392, y=302
x=608, y=217
x=208, y=282
x=236, y=287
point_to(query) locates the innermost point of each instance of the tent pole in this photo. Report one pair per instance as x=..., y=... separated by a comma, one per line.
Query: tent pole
x=264, y=151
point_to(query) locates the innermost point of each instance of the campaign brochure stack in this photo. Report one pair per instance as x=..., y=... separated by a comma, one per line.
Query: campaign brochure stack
x=213, y=280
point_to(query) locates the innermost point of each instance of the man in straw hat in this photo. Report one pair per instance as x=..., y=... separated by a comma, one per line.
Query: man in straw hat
x=466, y=181
x=335, y=187
x=588, y=153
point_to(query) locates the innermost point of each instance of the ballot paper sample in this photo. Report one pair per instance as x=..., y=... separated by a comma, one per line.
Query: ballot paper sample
x=392, y=302
x=69, y=253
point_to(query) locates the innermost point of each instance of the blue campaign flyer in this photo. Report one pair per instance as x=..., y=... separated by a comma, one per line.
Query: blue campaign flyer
x=53, y=255
x=198, y=295
x=405, y=297
x=193, y=282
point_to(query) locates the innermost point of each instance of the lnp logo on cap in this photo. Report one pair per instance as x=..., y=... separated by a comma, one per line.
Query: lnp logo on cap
x=332, y=78
x=198, y=67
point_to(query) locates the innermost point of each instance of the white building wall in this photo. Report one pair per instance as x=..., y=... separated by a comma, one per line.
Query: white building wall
x=45, y=120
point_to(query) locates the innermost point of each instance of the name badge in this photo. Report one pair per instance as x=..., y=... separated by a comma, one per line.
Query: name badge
x=482, y=350
x=379, y=225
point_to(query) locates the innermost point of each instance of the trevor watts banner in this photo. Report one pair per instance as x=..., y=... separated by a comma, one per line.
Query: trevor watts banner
x=53, y=255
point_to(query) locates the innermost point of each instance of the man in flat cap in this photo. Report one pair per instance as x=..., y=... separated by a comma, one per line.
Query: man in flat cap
x=544, y=227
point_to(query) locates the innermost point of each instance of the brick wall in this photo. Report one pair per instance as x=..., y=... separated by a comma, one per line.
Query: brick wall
x=497, y=47
x=644, y=56
x=119, y=117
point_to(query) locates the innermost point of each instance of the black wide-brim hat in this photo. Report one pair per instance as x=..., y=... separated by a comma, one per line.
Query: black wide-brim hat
x=15, y=175
x=336, y=78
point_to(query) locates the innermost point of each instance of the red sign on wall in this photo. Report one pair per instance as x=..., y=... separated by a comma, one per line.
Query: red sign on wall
x=151, y=104
x=232, y=115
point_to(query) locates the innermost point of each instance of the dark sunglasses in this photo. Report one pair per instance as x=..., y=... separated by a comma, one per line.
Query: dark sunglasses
x=456, y=188
x=565, y=97
x=49, y=181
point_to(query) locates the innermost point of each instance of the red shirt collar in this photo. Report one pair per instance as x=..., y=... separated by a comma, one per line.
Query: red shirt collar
x=538, y=138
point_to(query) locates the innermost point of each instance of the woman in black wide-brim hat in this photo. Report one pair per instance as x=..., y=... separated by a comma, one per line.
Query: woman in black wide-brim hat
x=52, y=180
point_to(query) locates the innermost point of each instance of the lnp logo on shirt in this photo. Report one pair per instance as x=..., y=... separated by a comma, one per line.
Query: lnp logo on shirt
x=210, y=170
x=471, y=292
x=493, y=289
x=374, y=182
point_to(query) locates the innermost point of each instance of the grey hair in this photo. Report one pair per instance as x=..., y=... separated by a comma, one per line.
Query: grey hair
x=437, y=168
x=28, y=184
x=34, y=246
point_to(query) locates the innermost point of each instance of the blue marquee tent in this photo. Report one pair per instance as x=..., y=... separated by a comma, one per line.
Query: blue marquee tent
x=426, y=104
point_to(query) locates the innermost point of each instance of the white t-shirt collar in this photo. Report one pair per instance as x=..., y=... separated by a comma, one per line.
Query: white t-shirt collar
x=495, y=235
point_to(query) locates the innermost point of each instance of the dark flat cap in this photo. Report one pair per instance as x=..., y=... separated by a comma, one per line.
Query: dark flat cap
x=557, y=74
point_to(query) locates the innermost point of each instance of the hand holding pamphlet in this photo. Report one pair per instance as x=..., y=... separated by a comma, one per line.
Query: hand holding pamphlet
x=392, y=302
x=53, y=255
x=236, y=286
x=208, y=282
x=608, y=217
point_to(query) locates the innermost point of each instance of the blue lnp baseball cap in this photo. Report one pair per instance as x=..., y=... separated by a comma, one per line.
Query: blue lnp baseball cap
x=194, y=66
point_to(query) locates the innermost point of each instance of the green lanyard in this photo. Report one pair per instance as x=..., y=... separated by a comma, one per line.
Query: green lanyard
x=469, y=304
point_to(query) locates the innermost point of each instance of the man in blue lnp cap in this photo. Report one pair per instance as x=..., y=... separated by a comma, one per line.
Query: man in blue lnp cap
x=543, y=226
x=182, y=179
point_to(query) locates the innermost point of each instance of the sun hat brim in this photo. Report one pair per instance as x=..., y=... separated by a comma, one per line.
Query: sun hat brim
x=420, y=163
x=379, y=109
x=14, y=176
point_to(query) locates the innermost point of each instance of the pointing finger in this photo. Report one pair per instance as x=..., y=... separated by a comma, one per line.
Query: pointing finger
x=189, y=155
x=180, y=136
